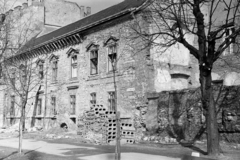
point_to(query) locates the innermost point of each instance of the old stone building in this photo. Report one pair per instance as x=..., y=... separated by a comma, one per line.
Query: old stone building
x=74, y=66
x=32, y=19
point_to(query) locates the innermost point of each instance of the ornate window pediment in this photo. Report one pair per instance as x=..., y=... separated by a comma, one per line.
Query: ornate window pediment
x=110, y=41
x=72, y=52
x=53, y=58
x=92, y=46
x=39, y=61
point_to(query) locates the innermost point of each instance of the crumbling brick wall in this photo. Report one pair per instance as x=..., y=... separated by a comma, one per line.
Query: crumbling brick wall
x=180, y=114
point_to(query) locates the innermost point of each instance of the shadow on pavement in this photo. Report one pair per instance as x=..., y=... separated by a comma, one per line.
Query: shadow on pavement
x=33, y=155
x=194, y=148
x=187, y=157
x=31, y=151
x=9, y=155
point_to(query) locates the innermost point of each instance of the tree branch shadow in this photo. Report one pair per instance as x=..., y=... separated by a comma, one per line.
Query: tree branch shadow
x=9, y=155
x=191, y=146
x=31, y=151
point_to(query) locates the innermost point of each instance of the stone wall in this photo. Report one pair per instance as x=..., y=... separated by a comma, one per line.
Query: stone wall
x=179, y=114
x=133, y=77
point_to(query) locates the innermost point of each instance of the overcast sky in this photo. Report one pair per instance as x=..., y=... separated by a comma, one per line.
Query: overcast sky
x=96, y=5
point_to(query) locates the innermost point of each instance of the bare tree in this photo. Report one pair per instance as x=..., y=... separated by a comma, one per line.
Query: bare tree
x=21, y=75
x=214, y=23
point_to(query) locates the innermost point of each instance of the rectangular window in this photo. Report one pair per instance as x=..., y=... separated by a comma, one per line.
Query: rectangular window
x=112, y=58
x=94, y=62
x=72, y=104
x=39, y=106
x=1, y=74
x=93, y=98
x=12, y=107
x=74, y=66
x=54, y=71
x=111, y=101
x=53, y=104
x=41, y=75
x=12, y=79
x=228, y=33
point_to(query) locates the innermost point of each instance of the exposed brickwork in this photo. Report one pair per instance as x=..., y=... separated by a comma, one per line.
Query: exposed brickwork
x=179, y=113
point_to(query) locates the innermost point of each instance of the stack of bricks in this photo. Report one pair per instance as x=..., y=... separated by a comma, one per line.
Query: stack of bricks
x=127, y=133
x=98, y=120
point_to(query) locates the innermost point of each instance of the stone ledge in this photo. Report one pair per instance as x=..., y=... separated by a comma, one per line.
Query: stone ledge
x=178, y=71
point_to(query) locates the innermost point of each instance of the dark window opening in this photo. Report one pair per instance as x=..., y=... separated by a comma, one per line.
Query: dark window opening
x=39, y=106
x=12, y=107
x=53, y=104
x=94, y=62
x=41, y=75
x=54, y=71
x=93, y=98
x=1, y=72
x=74, y=66
x=112, y=58
x=72, y=104
x=111, y=101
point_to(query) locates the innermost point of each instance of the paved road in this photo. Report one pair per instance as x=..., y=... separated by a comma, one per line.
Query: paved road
x=91, y=152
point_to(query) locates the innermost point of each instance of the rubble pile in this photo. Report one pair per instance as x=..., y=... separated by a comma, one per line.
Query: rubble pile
x=100, y=124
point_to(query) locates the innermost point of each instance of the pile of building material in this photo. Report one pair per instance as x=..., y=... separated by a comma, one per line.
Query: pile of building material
x=100, y=124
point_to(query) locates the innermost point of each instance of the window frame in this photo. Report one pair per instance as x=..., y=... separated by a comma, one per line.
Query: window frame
x=110, y=67
x=74, y=65
x=54, y=70
x=13, y=79
x=93, y=98
x=95, y=56
x=72, y=104
x=40, y=70
x=112, y=100
x=229, y=49
x=1, y=72
x=12, y=106
x=53, y=105
x=39, y=106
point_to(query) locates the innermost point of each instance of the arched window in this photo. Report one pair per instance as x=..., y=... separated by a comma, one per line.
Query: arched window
x=74, y=62
x=40, y=65
x=93, y=50
x=54, y=67
x=111, y=44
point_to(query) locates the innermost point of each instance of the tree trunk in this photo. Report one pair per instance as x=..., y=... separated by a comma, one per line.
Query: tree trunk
x=24, y=118
x=210, y=111
x=20, y=132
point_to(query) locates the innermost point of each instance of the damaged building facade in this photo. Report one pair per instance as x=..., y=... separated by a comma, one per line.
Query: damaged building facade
x=23, y=22
x=74, y=67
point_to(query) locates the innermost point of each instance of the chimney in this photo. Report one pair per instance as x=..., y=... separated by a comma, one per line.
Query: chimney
x=24, y=5
x=88, y=11
x=81, y=12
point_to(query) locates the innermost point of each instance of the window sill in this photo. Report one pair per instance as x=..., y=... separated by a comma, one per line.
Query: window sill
x=110, y=74
x=9, y=117
x=54, y=82
x=38, y=116
x=73, y=79
x=51, y=116
x=93, y=77
x=73, y=116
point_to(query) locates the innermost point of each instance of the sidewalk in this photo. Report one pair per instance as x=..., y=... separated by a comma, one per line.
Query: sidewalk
x=64, y=150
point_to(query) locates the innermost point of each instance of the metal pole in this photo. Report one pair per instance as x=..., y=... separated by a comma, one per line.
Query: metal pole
x=118, y=148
